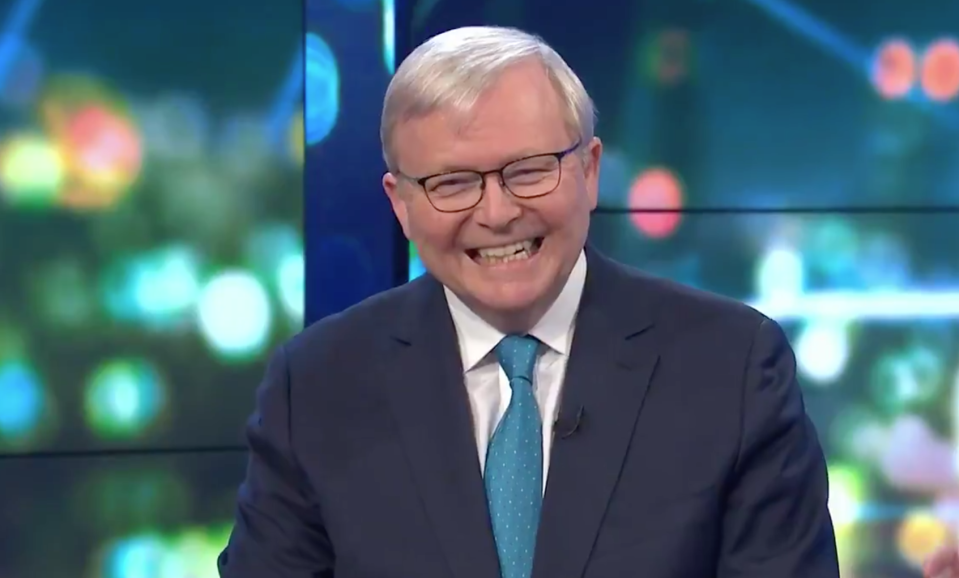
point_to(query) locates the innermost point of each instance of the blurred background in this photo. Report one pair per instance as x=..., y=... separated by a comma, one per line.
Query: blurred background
x=151, y=255
x=800, y=156
x=796, y=155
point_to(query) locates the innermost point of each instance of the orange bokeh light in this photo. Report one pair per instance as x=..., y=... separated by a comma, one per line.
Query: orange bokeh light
x=894, y=69
x=939, y=73
x=658, y=189
x=104, y=154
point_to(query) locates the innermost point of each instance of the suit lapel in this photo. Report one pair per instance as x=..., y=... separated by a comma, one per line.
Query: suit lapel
x=611, y=363
x=431, y=407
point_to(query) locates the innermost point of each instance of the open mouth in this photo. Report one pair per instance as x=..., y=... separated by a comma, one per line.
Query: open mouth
x=507, y=253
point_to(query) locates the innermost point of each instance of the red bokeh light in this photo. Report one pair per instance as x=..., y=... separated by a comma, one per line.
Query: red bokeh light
x=894, y=69
x=939, y=73
x=659, y=189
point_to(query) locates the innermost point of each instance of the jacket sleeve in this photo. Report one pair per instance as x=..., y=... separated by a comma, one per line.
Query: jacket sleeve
x=776, y=521
x=278, y=531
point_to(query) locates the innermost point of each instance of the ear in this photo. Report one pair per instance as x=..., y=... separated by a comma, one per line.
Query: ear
x=594, y=152
x=391, y=186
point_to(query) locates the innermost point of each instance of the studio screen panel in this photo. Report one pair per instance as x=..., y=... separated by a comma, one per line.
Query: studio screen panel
x=758, y=103
x=351, y=234
x=869, y=302
x=151, y=252
x=125, y=516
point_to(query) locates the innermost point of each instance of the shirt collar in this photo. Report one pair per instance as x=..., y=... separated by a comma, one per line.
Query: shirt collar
x=477, y=337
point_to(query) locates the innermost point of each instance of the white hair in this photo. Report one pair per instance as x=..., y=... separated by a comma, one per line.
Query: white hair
x=454, y=69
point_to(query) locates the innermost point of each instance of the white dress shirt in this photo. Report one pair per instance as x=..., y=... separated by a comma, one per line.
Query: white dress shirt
x=486, y=383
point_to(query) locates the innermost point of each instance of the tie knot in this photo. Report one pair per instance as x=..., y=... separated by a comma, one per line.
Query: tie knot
x=517, y=356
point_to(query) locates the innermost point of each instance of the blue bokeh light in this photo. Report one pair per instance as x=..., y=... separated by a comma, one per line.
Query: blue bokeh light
x=389, y=35
x=322, y=89
x=136, y=557
x=21, y=401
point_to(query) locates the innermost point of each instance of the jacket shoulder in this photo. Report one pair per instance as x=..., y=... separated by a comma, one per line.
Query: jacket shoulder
x=683, y=307
x=357, y=325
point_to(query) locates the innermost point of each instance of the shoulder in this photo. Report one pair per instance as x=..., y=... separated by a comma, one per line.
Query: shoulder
x=681, y=308
x=362, y=324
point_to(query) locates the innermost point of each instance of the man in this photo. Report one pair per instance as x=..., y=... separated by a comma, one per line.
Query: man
x=529, y=408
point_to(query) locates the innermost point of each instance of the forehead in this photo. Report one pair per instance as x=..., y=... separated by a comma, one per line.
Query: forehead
x=519, y=115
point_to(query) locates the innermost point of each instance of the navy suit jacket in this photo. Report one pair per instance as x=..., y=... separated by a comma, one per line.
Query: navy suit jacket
x=694, y=457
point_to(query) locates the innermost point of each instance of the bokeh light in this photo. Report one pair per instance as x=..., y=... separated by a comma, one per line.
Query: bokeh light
x=290, y=280
x=135, y=557
x=389, y=35
x=656, y=196
x=102, y=150
x=322, y=89
x=914, y=458
x=907, y=378
x=275, y=252
x=939, y=73
x=136, y=164
x=230, y=335
x=23, y=77
x=822, y=350
x=157, y=288
x=847, y=495
x=919, y=535
x=32, y=170
x=780, y=274
x=894, y=69
x=124, y=397
x=22, y=401
x=191, y=553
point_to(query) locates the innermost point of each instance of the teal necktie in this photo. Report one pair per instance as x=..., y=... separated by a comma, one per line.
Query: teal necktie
x=514, y=462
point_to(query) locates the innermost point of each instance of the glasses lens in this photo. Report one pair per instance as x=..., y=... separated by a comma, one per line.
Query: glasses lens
x=454, y=191
x=532, y=177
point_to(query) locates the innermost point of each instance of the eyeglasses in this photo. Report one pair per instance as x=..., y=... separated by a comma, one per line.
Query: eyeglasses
x=525, y=178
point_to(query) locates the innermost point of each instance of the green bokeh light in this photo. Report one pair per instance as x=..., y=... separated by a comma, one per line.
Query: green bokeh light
x=123, y=398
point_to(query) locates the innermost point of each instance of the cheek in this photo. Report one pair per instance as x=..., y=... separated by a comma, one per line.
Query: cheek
x=435, y=232
x=566, y=211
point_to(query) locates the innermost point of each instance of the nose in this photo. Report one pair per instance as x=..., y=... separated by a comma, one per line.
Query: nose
x=499, y=207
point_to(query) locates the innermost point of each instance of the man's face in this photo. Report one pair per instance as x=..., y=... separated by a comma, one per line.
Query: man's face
x=521, y=115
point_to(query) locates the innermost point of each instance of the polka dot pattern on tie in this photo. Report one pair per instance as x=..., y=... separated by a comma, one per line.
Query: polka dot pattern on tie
x=514, y=462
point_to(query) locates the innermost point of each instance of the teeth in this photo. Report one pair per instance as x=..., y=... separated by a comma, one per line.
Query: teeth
x=507, y=253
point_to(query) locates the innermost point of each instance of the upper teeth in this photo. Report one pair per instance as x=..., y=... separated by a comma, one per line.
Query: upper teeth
x=506, y=250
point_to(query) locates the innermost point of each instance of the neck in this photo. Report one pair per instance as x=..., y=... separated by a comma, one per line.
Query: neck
x=519, y=321
x=514, y=322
